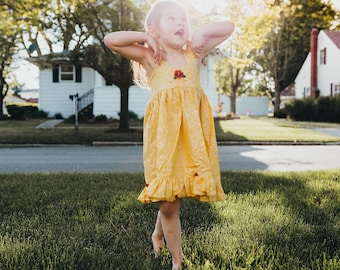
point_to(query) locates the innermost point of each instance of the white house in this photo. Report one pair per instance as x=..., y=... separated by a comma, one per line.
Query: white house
x=59, y=79
x=320, y=73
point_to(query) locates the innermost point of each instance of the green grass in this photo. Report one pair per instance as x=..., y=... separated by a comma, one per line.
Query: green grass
x=262, y=129
x=25, y=132
x=271, y=130
x=93, y=221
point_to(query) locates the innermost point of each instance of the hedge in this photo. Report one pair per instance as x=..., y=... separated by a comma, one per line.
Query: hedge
x=25, y=112
x=322, y=109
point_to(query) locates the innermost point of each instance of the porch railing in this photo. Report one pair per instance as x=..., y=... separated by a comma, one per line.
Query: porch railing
x=86, y=100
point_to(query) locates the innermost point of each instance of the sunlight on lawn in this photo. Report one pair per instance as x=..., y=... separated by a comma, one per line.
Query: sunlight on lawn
x=265, y=130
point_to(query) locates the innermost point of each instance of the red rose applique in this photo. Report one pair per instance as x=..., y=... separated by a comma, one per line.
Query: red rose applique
x=178, y=74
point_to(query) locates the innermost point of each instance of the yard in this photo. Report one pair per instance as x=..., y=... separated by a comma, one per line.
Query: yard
x=93, y=221
x=261, y=129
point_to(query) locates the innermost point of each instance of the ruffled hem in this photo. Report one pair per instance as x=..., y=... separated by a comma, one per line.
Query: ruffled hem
x=204, y=189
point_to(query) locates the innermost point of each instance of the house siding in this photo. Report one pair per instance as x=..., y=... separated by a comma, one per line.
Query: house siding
x=328, y=73
x=302, y=80
x=54, y=96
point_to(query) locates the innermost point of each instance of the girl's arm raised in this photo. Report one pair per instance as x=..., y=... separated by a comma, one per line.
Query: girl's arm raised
x=129, y=45
x=209, y=36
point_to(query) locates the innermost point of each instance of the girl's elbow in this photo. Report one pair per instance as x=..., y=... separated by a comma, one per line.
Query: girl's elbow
x=229, y=27
x=107, y=41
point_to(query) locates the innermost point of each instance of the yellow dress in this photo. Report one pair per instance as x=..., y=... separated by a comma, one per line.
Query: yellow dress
x=180, y=151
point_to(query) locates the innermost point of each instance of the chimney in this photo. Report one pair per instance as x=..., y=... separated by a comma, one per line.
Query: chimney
x=314, y=61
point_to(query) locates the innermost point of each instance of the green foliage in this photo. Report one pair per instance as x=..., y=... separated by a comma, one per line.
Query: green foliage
x=287, y=44
x=322, y=109
x=58, y=116
x=24, y=112
x=93, y=221
x=100, y=117
x=3, y=117
x=132, y=115
x=82, y=118
x=40, y=114
x=8, y=40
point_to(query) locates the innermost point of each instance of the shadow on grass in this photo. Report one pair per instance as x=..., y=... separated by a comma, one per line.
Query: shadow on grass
x=314, y=205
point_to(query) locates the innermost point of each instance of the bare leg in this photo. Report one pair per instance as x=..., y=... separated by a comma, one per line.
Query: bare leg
x=157, y=236
x=169, y=213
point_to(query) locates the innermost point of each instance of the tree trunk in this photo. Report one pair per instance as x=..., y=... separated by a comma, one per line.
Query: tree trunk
x=277, y=99
x=3, y=86
x=124, y=108
x=1, y=104
x=233, y=100
x=235, y=82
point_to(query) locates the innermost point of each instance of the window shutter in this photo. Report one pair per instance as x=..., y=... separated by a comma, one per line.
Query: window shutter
x=55, y=73
x=78, y=73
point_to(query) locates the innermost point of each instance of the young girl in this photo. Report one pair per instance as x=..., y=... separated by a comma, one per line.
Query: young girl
x=180, y=150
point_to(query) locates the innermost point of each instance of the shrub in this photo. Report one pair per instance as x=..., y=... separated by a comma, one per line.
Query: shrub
x=37, y=115
x=3, y=117
x=58, y=116
x=21, y=112
x=81, y=118
x=100, y=117
x=323, y=109
x=281, y=114
x=132, y=115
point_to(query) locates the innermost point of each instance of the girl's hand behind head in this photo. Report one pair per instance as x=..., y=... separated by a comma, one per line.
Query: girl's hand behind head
x=158, y=55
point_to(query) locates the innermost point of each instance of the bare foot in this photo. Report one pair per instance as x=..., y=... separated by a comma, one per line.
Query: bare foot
x=158, y=244
x=178, y=265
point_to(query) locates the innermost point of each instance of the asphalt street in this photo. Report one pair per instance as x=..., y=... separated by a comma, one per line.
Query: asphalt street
x=130, y=158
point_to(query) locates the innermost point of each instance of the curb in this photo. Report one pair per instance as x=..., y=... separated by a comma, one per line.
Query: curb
x=126, y=143
x=221, y=143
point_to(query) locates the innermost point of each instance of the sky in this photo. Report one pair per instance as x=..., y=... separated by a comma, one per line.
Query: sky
x=28, y=74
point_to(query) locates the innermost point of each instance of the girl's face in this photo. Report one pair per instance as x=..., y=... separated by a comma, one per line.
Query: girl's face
x=173, y=26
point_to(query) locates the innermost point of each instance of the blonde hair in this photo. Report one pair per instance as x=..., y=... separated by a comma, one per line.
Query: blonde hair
x=151, y=20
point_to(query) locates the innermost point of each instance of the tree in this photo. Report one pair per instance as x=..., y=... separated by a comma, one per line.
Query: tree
x=80, y=26
x=287, y=44
x=8, y=46
x=249, y=37
x=100, y=20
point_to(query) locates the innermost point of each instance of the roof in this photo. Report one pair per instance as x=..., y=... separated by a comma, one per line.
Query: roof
x=289, y=91
x=334, y=36
x=45, y=61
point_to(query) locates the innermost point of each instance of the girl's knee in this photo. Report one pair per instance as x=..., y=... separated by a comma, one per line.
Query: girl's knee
x=169, y=208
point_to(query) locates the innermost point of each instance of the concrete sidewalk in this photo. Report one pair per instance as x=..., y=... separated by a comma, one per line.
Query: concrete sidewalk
x=49, y=123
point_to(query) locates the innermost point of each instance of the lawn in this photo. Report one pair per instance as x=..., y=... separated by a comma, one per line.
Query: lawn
x=259, y=129
x=272, y=130
x=93, y=221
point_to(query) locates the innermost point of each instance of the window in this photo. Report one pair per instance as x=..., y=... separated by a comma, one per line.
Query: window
x=337, y=89
x=323, y=57
x=67, y=73
x=306, y=92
